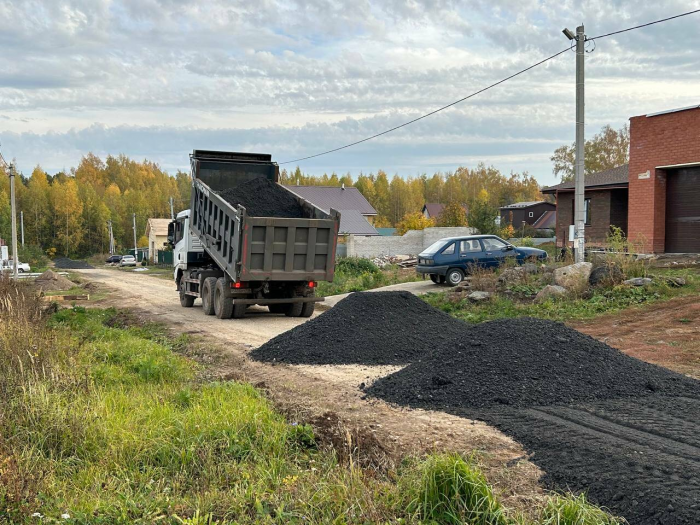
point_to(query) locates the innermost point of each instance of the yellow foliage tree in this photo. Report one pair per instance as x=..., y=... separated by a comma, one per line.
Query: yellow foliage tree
x=68, y=211
x=414, y=221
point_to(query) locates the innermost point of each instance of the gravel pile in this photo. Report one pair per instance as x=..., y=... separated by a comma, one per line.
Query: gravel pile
x=262, y=197
x=520, y=363
x=50, y=281
x=372, y=328
x=69, y=264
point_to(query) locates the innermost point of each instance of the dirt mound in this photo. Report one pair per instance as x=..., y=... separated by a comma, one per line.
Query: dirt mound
x=524, y=362
x=263, y=198
x=373, y=328
x=64, y=263
x=51, y=281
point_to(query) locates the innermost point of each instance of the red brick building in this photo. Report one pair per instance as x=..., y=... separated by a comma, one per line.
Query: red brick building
x=662, y=204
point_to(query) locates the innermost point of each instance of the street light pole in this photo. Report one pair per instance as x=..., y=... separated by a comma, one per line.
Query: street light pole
x=580, y=141
x=21, y=226
x=579, y=165
x=136, y=248
x=15, y=269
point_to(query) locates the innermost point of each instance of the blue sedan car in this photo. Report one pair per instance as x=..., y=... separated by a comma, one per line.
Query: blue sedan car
x=449, y=260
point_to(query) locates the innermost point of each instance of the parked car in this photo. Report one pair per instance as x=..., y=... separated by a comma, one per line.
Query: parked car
x=114, y=259
x=8, y=266
x=450, y=260
x=127, y=260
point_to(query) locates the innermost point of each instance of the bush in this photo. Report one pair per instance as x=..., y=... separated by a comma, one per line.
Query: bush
x=33, y=255
x=575, y=510
x=355, y=266
x=450, y=490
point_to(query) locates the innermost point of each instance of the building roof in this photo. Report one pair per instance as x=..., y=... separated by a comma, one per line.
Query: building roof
x=517, y=205
x=434, y=208
x=336, y=197
x=676, y=110
x=613, y=177
x=547, y=221
x=159, y=227
x=353, y=222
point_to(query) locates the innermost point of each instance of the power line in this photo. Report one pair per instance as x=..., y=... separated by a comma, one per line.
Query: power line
x=435, y=111
x=644, y=25
x=485, y=89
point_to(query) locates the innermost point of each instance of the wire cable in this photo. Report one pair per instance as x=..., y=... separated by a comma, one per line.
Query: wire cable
x=644, y=25
x=432, y=112
x=485, y=88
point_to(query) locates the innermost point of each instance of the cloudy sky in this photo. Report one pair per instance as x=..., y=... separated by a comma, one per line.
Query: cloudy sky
x=157, y=78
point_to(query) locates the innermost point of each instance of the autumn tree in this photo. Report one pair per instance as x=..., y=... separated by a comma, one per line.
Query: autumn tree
x=37, y=208
x=453, y=215
x=414, y=221
x=482, y=215
x=607, y=149
x=68, y=211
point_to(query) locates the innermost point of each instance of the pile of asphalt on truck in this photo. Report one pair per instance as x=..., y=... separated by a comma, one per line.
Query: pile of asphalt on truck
x=595, y=420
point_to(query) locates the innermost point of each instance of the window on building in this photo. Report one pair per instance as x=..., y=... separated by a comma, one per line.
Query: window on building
x=586, y=211
x=532, y=214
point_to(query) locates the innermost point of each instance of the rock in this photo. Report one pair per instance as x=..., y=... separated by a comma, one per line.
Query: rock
x=512, y=275
x=674, y=282
x=530, y=268
x=606, y=274
x=479, y=296
x=550, y=291
x=638, y=281
x=574, y=276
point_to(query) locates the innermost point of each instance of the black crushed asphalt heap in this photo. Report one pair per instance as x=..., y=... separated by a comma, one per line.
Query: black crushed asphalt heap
x=372, y=328
x=65, y=263
x=262, y=197
x=523, y=362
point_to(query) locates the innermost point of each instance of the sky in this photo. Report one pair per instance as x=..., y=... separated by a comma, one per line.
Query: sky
x=156, y=79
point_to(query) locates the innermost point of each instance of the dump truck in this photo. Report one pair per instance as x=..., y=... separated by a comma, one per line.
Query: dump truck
x=232, y=260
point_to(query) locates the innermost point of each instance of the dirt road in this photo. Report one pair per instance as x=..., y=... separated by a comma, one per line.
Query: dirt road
x=323, y=392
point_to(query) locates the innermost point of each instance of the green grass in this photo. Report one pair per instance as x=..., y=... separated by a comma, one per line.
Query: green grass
x=354, y=274
x=600, y=302
x=108, y=422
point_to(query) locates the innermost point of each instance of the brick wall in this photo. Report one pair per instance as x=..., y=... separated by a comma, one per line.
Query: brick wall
x=607, y=207
x=672, y=138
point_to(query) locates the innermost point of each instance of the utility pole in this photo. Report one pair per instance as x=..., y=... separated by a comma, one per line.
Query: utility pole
x=21, y=225
x=172, y=210
x=111, y=238
x=15, y=264
x=579, y=172
x=136, y=248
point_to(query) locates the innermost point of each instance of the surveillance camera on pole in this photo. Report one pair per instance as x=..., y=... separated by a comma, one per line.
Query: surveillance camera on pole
x=579, y=212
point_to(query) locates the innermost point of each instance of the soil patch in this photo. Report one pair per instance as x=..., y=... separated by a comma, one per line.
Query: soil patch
x=525, y=362
x=371, y=328
x=65, y=263
x=51, y=281
x=263, y=198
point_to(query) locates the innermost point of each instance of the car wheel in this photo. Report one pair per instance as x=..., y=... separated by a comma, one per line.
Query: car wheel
x=20, y=270
x=435, y=278
x=454, y=277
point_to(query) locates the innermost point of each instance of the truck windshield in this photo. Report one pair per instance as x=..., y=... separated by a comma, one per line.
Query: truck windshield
x=435, y=247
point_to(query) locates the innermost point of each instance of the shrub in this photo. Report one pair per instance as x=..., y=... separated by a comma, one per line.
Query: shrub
x=355, y=266
x=450, y=490
x=575, y=510
x=33, y=255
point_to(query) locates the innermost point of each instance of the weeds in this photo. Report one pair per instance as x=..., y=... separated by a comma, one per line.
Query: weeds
x=570, y=509
x=356, y=274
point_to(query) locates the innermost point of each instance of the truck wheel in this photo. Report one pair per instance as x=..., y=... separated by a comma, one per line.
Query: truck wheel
x=454, y=277
x=293, y=309
x=239, y=310
x=307, y=309
x=208, y=288
x=186, y=301
x=223, y=305
x=276, y=308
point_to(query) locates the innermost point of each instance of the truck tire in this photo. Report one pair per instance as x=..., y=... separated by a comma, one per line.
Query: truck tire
x=186, y=301
x=293, y=309
x=208, y=288
x=307, y=309
x=239, y=310
x=454, y=277
x=223, y=305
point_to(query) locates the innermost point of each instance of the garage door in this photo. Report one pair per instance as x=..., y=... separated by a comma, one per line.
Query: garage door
x=683, y=211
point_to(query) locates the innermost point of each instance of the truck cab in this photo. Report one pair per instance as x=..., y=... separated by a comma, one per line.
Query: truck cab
x=187, y=248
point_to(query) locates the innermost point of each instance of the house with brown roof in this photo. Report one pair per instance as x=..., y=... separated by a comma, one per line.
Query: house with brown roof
x=432, y=210
x=157, y=233
x=356, y=213
x=525, y=212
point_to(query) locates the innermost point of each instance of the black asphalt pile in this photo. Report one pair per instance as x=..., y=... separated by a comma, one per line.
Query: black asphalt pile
x=69, y=264
x=521, y=363
x=262, y=197
x=371, y=328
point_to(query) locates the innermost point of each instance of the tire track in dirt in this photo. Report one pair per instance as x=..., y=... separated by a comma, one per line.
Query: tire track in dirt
x=634, y=456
